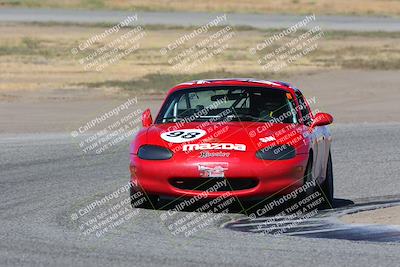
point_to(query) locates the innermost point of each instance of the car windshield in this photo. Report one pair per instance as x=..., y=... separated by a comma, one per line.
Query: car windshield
x=229, y=103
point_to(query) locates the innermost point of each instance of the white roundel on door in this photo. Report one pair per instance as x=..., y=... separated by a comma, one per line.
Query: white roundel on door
x=182, y=136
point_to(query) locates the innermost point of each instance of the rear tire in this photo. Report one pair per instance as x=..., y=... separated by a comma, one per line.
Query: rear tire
x=326, y=188
x=140, y=199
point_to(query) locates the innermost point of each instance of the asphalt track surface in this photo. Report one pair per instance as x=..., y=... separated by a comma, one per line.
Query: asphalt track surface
x=348, y=23
x=45, y=179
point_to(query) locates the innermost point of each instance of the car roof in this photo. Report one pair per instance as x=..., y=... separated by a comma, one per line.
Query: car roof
x=234, y=82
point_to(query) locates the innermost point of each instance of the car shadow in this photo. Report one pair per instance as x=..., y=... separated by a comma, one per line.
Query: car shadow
x=341, y=202
x=260, y=208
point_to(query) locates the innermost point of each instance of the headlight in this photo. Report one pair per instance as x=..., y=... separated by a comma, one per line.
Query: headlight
x=154, y=152
x=276, y=152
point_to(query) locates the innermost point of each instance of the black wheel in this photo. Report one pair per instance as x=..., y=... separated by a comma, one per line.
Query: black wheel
x=308, y=178
x=140, y=199
x=326, y=188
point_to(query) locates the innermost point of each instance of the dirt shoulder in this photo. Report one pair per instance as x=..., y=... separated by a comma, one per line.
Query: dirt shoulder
x=387, y=216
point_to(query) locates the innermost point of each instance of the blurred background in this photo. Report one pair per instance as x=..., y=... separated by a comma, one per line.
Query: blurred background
x=48, y=83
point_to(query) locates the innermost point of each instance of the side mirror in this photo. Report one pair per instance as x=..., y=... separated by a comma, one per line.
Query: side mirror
x=147, y=120
x=321, y=119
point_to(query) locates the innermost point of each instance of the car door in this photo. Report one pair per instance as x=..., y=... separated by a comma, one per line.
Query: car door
x=316, y=134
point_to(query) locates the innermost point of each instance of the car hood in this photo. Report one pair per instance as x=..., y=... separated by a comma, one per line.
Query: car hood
x=254, y=135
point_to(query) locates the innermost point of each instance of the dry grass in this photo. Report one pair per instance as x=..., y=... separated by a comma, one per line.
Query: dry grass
x=347, y=7
x=37, y=57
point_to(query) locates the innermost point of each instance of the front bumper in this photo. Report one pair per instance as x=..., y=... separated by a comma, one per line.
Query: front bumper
x=261, y=177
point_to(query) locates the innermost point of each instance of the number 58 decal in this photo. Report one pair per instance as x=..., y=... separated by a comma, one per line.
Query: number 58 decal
x=182, y=136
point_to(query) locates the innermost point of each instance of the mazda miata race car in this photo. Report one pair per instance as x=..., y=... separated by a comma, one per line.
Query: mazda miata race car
x=253, y=138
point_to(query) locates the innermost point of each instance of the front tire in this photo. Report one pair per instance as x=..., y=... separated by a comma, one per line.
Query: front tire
x=308, y=178
x=326, y=188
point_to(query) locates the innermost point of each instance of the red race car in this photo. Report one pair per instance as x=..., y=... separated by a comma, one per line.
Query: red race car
x=253, y=138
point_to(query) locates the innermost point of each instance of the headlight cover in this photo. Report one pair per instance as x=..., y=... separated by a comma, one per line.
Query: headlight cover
x=152, y=152
x=276, y=152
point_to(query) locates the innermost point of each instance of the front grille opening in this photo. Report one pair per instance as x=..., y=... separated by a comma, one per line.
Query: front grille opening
x=203, y=184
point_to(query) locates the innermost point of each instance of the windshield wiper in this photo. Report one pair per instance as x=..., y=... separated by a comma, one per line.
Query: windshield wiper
x=198, y=118
x=172, y=118
x=245, y=117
